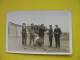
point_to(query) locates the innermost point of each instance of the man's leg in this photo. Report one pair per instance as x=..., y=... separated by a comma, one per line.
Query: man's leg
x=43, y=39
x=41, y=42
x=30, y=40
x=51, y=43
x=50, y=40
x=22, y=41
x=58, y=42
x=33, y=41
x=25, y=42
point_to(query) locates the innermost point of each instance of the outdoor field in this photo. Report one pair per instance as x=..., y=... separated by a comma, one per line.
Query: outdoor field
x=15, y=44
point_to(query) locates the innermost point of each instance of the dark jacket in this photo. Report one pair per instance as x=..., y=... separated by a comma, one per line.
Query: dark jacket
x=24, y=33
x=50, y=32
x=41, y=31
x=57, y=32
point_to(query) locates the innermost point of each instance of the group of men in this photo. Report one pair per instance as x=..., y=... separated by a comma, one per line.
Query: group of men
x=40, y=34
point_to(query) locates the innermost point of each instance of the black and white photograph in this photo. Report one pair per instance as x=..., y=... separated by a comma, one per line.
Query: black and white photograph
x=39, y=32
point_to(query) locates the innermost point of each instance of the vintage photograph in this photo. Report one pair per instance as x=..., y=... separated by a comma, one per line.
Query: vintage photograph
x=39, y=32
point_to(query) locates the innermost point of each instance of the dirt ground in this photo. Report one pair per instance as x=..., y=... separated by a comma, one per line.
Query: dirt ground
x=15, y=44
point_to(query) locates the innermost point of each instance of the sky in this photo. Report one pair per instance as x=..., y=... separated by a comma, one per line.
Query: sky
x=61, y=18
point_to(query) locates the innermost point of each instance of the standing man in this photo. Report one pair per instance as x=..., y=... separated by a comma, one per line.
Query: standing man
x=50, y=35
x=24, y=34
x=41, y=32
x=32, y=36
x=57, y=33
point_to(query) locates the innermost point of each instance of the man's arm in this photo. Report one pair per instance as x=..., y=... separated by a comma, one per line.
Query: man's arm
x=60, y=31
x=54, y=31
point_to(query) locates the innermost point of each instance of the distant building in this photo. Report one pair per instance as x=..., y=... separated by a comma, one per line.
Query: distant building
x=14, y=30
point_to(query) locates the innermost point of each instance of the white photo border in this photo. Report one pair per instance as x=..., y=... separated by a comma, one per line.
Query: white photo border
x=47, y=53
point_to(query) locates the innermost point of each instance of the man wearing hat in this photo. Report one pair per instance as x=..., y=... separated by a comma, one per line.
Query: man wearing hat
x=50, y=35
x=24, y=34
x=57, y=33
